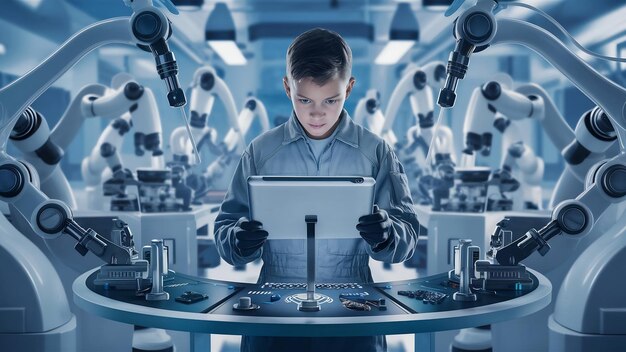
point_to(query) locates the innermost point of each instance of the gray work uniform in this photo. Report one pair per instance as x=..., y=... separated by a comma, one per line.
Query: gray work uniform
x=352, y=151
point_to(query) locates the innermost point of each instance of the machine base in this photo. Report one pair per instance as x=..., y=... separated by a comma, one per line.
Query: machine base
x=564, y=339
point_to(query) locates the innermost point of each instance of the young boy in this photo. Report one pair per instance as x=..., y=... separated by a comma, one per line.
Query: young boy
x=319, y=139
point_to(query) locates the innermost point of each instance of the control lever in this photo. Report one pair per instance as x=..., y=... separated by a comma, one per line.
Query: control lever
x=90, y=241
x=464, y=255
x=310, y=304
x=159, y=268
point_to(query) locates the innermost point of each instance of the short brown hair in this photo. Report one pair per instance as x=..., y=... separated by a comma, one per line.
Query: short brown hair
x=319, y=53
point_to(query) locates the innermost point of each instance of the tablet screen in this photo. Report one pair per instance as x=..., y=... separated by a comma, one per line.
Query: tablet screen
x=282, y=202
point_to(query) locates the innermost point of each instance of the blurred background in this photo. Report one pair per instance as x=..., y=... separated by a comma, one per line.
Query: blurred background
x=250, y=60
x=33, y=29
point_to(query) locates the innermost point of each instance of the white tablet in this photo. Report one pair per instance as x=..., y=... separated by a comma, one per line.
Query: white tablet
x=282, y=202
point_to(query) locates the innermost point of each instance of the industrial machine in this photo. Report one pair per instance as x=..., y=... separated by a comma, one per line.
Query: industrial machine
x=575, y=327
x=205, y=87
x=52, y=324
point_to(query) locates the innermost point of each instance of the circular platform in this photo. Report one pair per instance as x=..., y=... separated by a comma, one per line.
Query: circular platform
x=279, y=318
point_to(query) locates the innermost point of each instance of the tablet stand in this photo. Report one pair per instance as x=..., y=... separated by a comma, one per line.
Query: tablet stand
x=310, y=304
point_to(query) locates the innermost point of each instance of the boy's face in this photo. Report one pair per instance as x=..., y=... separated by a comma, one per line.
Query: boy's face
x=318, y=107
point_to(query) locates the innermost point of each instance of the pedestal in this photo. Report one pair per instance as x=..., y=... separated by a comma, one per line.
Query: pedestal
x=310, y=304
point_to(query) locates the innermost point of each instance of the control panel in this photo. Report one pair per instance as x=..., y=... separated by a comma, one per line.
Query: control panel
x=429, y=294
x=186, y=293
x=334, y=300
x=435, y=294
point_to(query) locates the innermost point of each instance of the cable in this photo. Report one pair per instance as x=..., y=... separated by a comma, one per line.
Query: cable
x=429, y=154
x=564, y=31
x=197, y=159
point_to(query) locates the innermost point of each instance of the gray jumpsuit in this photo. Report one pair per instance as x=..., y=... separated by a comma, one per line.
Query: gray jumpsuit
x=352, y=151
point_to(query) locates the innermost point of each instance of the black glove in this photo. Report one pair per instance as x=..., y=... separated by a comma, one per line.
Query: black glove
x=249, y=236
x=374, y=229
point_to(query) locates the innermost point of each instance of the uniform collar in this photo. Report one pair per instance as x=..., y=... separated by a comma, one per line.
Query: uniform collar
x=346, y=130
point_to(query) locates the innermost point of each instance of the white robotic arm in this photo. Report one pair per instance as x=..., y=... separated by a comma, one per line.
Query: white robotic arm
x=130, y=97
x=443, y=143
x=72, y=120
x=589, y=282
x=582, y=148
x=201, y=105
x=31, y=135
x=477, y=27
x=148, y=27
x=182, y=150
x=422, y=104
x=49, y=218
x=594, y=140
x=404, y=87
x=366, y=108
x=480, y=120
x=532, y=168
x=205, y=87
x=93, y=166
x=422, y=107
x=203, y=94
x=416, y=83
x=359, y=111
x=114, y=102
x=252, y=108
x=477, y=128
x=520, y=156
x=607, y=95
x=231, y=146
x=368, y=114
x=552, y=122
x=43, y=148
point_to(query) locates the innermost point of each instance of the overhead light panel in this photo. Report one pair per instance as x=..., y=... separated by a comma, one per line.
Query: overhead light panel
x=612, y=26
x=221, y=36
x=404, y=32
x=436, y=5
x=32, y=4
x=188, y=5
x=228, y=51
x=3, y=49
x=394, y=51
x=522, y=13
